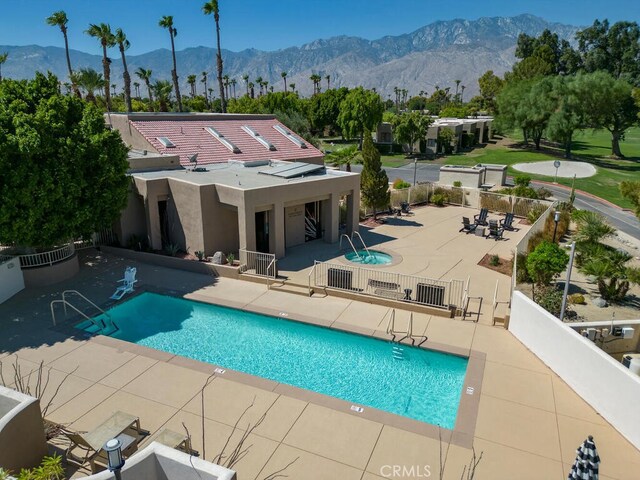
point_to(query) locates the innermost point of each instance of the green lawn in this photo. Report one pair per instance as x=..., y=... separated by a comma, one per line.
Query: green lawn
x=591, y=147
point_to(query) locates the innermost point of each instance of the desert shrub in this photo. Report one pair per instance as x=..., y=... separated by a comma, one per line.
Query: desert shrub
x=200, y=254
x=50, y=469
x=494, y=261
x=457, y=183
x=438, y=199
x=172, y=249
x=231, y=258
x=420, y=194
x=563, y=226
x=452, y=195
x=544, y=193
x=535, y=240
x=399, y=184
x=535, y=212
x=549, y=297
x=495, y=203
x=522, y=274
x=576, y=299
x=546, y=262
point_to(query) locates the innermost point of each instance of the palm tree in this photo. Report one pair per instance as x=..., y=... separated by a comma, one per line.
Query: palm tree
x=123, y=44
x=103, y=33
x=271, y=89
x=250, y=86
x=457, y=87
x=233, y=84
x=167, y=22
x=136, y=85
x=212, y=7
x=163, y=89
x=205, y=76
x=292, y=86
x=191, y=80
x=259, y=83
x=462, y=87
x=59, y=19
x=328, y=79
x=145, y=76
x=284, y=77
x=315, y=78
x=245, y=77
x=265, y=84
x=3, y=59
x=90, y=81
x=225, y=83
x=344, y=156
x=113, y=87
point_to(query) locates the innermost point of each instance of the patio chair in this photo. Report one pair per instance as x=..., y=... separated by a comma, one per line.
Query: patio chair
x=405, y=208
x=127, y=283
x=481, y=218
x=495, y=230
x=175, y=440
x=507, y=222
x=120, y=425
x=467, y=226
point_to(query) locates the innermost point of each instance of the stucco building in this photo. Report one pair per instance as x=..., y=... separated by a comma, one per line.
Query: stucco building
x=253, y=185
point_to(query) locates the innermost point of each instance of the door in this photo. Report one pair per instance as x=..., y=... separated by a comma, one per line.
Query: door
x=262, y=232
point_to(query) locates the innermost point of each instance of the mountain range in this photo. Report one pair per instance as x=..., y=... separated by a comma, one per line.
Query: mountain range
x=436, y=54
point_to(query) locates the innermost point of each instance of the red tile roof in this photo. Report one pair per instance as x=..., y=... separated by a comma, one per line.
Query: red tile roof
x=189, y=137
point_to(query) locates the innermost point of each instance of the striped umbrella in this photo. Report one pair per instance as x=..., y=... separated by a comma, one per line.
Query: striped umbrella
x=587, y=462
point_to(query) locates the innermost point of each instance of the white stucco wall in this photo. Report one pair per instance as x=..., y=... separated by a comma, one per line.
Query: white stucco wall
x=11, y=279
x=601, y=381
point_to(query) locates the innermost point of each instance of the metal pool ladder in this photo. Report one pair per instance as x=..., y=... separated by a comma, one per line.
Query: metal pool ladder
x=366, y=249
x=102, y=325
x=344, y=235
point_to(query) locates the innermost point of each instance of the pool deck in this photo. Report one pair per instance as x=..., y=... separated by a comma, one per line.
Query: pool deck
x=529, y=422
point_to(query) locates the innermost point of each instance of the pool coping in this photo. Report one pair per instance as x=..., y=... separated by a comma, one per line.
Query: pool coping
x=396, y=259
x=461, y=435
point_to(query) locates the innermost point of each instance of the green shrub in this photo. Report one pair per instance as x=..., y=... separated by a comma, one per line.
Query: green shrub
x=200, y=254
x=535, y=212
x=231, y=258
x=494, y=261
x=172, y=249
x=546, y=262
x=438, y=199
x=550, y=298
x=457, y=183
x=399, y=184
x=522, y=274
x=50, y=469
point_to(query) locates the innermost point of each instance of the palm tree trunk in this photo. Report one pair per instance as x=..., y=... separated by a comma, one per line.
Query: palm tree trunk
x=148, y=84
x=107, y=77
x=174, y=72
x=127, y=82
x=223, y=99
x=76, y=90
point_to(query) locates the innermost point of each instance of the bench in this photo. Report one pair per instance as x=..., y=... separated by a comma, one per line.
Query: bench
x=385, y=289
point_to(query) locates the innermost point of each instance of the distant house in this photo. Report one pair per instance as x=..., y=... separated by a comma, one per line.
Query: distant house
x=223, y=182
x=384, y=133
x=478, y=128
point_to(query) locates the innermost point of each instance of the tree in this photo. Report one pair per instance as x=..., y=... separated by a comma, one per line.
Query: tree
x=631, y=191
x=546, y=262
x=3, y=59
x=103, y=33
x=417, y=103
x=490, y=86
x=59, y=19
x=90, y=81
x=613, y=275
x=559, y=54
x=571, y=110
x=162, y=89
x=323, y=109
x=359, y=111
x=204, y=79
x=284, y=78
x=123, y=44
x=209, y=8
x=446, y=140
x=136, y=86
x=191, y=80
x=344, y=156
x=374, y=183
x=62, y=171
x=614, y=49
x=167, y=22
x=411, y=127
x=145, y=76
x=611, y=106
x=454, y=110
x=529, y=68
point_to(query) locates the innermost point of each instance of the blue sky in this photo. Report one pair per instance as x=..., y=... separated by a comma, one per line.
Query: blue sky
x=270, y=25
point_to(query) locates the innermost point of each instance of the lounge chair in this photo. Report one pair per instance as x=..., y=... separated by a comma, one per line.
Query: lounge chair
x=405, y=208
x=467, y=226
x=481, y=218
x=507, y=222
x=127, y=283
x=120, y=425
x=495, y=230
x=175, y=440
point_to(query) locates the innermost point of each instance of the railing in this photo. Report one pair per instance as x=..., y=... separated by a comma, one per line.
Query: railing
x=344, y=235
x=75, y=292
x=65, y=303
x=445, y=294
x=103, y=237
x=260, y=264
x=357, y=234
x=5, y=258
x=311, y=275
x=51, y=257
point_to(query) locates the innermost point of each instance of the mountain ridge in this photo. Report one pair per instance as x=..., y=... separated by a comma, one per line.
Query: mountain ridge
x=444, y=50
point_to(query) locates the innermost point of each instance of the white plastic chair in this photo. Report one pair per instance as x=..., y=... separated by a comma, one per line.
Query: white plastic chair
x=127, y=283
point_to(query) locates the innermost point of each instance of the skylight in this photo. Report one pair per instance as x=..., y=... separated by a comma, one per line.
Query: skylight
x=222, y=139
x=166, y=142
x=258, y=137
x=290, y=136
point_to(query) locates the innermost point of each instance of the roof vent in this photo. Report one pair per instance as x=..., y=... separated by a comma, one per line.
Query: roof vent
x=166, y=142
x=258, y=137
x=290, y=136
x=221, y=138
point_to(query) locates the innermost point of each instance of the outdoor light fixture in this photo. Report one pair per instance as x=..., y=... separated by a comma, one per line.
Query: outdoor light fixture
x=114, y=456
x=556, y=219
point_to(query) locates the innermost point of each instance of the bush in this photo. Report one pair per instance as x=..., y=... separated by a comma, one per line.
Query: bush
x=438, y=199
x=535, y=212
x=457, y=183
x=495, y=203
x=399, y=184
x=522, y=275
x=544, y=193
x=494, y=261
x=550, y=298
x=420, y=194
x=576, y=299
x=546, y=262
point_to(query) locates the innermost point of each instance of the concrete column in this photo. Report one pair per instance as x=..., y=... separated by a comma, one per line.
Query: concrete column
x=353, y=212
x=331, y=218
x=276, y=230
x=247, y=227
x=153, y=221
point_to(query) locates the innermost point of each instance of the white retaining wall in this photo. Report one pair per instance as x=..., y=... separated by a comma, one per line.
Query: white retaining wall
x=601, y=381
x=11, y=279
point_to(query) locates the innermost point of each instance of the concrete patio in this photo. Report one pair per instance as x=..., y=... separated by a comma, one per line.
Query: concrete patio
x=528, y=425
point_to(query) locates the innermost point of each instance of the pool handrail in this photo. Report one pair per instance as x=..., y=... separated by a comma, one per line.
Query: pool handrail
x=344, y=235
x=361, y=241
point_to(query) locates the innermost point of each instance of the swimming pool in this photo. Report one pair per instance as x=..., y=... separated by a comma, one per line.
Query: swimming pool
x=420, y=384
x=369, y=257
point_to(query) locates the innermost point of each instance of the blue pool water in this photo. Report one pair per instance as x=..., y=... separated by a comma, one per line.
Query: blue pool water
x=423, y=385
x=372, y=257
